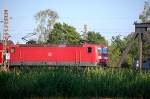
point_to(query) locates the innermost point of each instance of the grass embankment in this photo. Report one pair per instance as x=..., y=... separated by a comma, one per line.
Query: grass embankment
x=74, y=83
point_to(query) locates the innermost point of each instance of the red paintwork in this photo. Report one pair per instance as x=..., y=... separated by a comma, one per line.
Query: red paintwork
x=36, y=53
x=1, y=49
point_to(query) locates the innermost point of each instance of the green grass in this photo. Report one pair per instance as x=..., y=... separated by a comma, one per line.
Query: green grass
x=69, y=82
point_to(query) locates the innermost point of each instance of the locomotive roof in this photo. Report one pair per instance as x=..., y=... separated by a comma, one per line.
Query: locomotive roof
x=54, y=45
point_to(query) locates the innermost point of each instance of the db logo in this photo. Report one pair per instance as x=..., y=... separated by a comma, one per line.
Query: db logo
x=49, y=54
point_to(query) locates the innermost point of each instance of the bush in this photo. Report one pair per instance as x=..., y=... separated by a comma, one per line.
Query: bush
x=67, y=82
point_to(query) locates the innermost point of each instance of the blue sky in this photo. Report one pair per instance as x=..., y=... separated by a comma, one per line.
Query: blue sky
x=109, y=17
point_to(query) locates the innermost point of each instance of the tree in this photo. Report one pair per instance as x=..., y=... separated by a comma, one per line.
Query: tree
x=64, y=34
x=115, y=50
x=118, y=45
x=95, y=38
x=45, y=20
x=145, y=16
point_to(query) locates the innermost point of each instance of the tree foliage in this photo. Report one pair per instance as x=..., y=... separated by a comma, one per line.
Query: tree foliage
x=145, y=16
x=64, y=34
x=95, y=38
x=45, y=20
x=118, y=45
x=57, y=33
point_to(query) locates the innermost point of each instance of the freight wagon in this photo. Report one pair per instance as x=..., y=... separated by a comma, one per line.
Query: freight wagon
x=56, y=55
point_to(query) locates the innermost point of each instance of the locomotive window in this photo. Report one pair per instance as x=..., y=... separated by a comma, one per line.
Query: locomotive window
x=13, y=50
x=89, y=49
x=105, y=50
x=102, y=50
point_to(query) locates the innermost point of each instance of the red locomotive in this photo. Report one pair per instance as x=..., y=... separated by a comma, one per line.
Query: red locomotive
x=57, y=55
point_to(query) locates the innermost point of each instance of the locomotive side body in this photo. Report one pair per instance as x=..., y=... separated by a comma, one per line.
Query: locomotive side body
x=1, y=55
x=58, y=55
x=53, y=55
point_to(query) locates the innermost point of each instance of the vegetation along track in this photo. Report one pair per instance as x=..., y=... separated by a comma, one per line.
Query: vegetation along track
x=70, y=82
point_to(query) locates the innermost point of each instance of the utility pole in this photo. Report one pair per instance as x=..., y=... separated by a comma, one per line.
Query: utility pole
x=140, y=50
x=5, y=40
x=85, y=30
x=0, y=32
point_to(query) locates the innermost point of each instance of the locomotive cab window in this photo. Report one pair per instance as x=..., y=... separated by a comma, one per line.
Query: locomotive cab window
x=103, y=50
x=89, y=49
x=13, y=50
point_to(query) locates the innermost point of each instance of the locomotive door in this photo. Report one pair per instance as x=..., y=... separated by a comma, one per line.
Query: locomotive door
x=78, y=57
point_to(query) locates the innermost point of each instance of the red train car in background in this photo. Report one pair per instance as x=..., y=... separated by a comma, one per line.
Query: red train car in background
x=57, y=55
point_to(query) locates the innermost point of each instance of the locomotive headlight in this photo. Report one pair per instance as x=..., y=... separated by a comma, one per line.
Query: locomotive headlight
x=105, y=57
x=99, y=57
